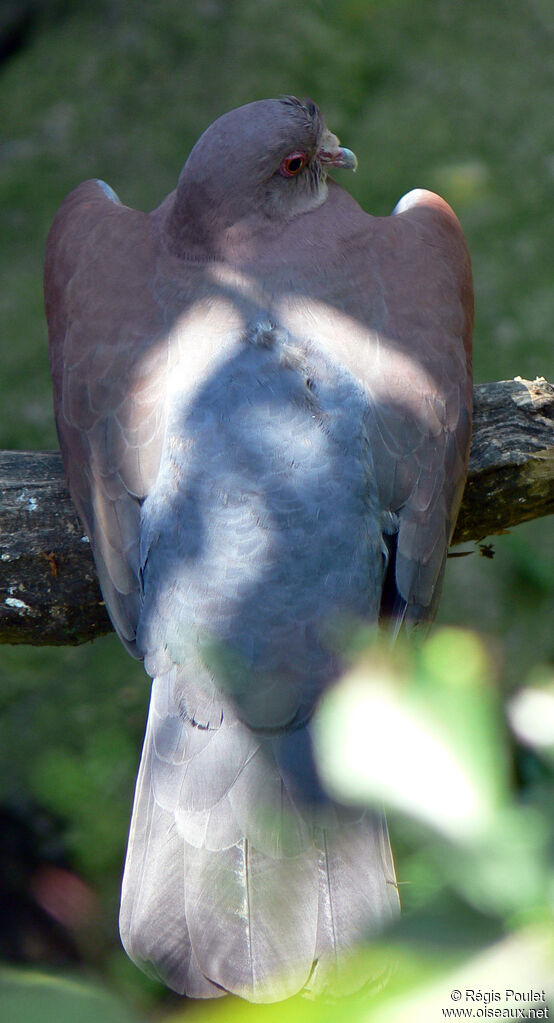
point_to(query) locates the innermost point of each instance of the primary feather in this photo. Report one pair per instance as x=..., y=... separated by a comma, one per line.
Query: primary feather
x=263, y=398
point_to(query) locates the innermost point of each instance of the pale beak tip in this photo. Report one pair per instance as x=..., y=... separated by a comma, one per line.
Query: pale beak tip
x=340, y=157
x=350, y=160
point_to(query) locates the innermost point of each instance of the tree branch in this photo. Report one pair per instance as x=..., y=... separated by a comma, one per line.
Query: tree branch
x=48, y=587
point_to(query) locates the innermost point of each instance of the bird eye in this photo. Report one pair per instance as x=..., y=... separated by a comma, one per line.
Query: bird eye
x=293, y=164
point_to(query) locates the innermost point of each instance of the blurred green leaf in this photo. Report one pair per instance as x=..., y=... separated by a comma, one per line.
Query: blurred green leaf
x=30, y=997
x=522, y=963
x=420, y=731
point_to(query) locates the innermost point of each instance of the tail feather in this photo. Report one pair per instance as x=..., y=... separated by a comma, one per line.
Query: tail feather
x=152, y=921
x=254, y=892
x=264, y=807
x=358, y=898
x=252, y=919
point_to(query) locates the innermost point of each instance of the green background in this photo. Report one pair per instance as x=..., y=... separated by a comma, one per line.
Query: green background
x=453, y=96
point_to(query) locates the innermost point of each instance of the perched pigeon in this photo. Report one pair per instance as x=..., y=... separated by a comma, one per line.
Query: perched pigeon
x=263, y=398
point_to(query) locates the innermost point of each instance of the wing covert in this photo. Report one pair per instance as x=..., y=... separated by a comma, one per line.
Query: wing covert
x=109, y=359
x=422, y=395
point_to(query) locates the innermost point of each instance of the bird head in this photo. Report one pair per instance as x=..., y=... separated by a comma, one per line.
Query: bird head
x=265, y=161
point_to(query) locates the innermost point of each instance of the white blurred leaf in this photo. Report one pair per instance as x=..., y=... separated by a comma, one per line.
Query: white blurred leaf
x=531, y=716
x=419, y=738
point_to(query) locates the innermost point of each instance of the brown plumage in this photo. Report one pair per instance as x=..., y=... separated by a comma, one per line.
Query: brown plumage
x=263, y=397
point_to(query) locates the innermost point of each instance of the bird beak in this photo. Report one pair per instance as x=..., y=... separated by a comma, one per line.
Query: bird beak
x=332, y=154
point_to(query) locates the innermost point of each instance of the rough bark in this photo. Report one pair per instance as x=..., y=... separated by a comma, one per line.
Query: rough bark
x=48, y=587
x=511, y=464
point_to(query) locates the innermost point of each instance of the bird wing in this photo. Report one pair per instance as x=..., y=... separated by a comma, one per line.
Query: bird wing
x=427, y=332
x=108, y=350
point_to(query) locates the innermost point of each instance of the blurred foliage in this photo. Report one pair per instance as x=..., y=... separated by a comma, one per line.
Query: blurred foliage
x=451, y=96
x=422, y=728
x=26, y=997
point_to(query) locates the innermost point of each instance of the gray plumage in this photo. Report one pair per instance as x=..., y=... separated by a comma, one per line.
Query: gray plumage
x=263, y=398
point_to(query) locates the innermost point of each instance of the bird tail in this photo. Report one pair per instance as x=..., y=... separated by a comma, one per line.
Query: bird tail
x=232, y=883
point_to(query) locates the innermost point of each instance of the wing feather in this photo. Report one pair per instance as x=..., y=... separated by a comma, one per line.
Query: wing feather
x=422, y=393
x=108, y=385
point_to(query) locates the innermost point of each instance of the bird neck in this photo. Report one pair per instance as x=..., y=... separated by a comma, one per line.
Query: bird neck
x=201, y=231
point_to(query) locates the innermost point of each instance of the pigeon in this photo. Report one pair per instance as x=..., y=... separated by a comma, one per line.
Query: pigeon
x=263, y=399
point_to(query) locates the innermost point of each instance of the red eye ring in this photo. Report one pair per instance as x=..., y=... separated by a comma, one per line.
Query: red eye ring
x=293, y=164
